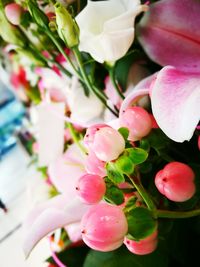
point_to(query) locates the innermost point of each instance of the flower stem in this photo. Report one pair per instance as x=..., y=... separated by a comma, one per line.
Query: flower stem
x=87, y=81
x=75, y=138
x=116, y=86
x=62, y=51
x=143, y=193
x=177, y=214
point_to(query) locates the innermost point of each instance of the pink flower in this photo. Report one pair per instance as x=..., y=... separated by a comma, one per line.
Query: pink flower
x=13, y=13
x=176, y=181
x=170, y=33
x=64, y=210
x=138, y=122
x=175, y=99
x=144, y=246
x=108, y=144
x=91, y=188
x=104, y=227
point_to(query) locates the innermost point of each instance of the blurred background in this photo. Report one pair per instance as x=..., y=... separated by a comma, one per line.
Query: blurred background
x=18, y=177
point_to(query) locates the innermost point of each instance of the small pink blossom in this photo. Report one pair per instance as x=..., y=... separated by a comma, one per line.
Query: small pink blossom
x=13, y=13
x=104, y=227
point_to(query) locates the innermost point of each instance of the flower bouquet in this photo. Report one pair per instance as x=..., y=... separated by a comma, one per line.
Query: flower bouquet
x=114, y=90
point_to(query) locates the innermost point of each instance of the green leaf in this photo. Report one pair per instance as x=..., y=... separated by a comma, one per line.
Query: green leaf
x=114, y=195
x=137, y=155
x=145, y=167
x=123, y=65
x=124, y=164
x=115, y=175
x=124, y=132
x=130, y=204
x=72, y=257
x=144, y=144
x=141, y=224
x=157, y=139
x=123, y=258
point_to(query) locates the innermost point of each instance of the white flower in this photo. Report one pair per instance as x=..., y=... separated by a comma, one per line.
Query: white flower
x=83, y=109
x=107, y=28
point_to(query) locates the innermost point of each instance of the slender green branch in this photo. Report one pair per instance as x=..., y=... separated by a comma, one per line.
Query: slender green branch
x=177, y=214
x=143, y=193
x=75, y=138
x=116, y=86
x=87, y=81
x=60, y=48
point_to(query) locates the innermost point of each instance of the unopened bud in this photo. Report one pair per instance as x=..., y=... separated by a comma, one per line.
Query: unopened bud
x=13, y=13
x=8, y=32
x=67, y=27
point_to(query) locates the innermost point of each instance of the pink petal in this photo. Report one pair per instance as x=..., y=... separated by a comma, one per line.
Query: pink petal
x=170, y=33
x=139, y=91
x=66, y=170
x=51, y=219
x=175, y=102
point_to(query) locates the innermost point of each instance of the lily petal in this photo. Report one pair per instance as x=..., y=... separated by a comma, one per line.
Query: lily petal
x=140, y=90
x=170, y=33
x=175, y=101
x=66, y=170
x=50, y=220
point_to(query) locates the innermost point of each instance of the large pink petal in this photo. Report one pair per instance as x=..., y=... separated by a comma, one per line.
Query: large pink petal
x=170, y=33
x=51, y=219
x=176, y=102
x=66, y=170
x=140, y=90
x=57, y=202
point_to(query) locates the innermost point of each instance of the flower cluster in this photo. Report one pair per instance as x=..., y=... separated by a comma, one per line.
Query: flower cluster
x=114, y=86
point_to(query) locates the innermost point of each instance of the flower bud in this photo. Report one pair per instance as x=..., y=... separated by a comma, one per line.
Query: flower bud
x=144, y=246
x=138, y=122
x=13, y=13
x=108, y=144
x=176, y=181
x=94, y=165
x=104, y=227
x=67, y=27
x=91, y=188
x=8, y=32
x=90, y=133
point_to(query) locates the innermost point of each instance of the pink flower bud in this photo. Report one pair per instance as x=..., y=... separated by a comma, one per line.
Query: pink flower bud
x=90, y=133
x=35, y=147
x=176, y=181
x=104, y=227
x=94, y=165
x=13, y=13
x=91, y=188
x=108, y=144
x=138, y=121
x=144, y=246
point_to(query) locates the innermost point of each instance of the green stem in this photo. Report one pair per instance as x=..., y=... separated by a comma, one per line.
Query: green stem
x=116, y=86
x=143, y=193
x=75, y=138
x=87, y=81
x=62, y=51
x=177, y=214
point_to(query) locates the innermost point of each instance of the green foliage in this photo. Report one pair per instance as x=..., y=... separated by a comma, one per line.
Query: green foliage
x=124, y=132
x=72, y=257
x=114, y=174
x=113, y=195
x=123, y=65
x=141, y=224
x=137, y=155
x=122, y=257
x=124, y=164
